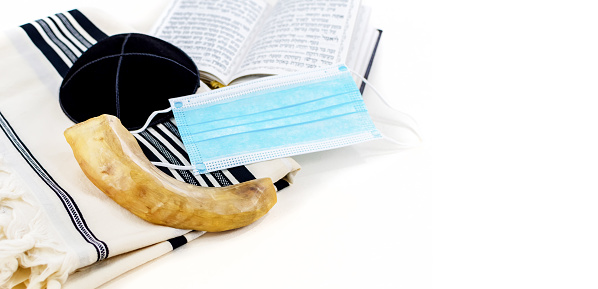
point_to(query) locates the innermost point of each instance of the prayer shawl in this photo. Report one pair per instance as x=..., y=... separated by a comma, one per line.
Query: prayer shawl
x=54, y=223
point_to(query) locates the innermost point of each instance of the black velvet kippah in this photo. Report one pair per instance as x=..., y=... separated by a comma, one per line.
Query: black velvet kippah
x=128, y=76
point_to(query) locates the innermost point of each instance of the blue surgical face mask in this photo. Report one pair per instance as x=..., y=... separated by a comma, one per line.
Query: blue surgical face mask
x=273, y=117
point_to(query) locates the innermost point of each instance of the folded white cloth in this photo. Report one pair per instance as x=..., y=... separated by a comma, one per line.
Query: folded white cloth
x=53, y=221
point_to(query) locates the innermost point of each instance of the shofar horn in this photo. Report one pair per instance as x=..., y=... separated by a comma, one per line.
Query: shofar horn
x=111, y=158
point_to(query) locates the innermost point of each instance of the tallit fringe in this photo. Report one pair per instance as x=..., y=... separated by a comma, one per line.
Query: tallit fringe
x=30, y=254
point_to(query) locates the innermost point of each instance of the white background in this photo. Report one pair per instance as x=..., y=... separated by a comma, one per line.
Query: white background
x=501, y=194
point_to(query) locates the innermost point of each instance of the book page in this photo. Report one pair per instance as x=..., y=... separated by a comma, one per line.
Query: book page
x=212, y=32
x=360, y=48
x=301, y=34
x=358, y=40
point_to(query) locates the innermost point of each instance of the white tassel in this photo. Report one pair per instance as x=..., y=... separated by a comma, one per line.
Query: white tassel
x=31, y=254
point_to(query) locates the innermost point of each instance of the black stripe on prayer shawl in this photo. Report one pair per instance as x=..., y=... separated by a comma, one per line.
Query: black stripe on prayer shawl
x=281, y=184
x=177, y=144
x=63, y=47
x=205, y=178
x=222, y=180
x=177, y=241
x=172, y=128
x=65, y=36
x=169, y=157
x=153, y=158
x=67, y=201
x=72, y=30
x=61, y=67
x=242, y=174
x=89, y=27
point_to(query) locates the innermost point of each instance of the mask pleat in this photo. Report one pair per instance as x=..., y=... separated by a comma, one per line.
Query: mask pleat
x=297, y=134
x=288, y=111
x=280, y=122
x=265, y=101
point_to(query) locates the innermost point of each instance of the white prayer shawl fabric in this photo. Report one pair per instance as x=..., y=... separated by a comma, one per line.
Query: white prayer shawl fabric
x=53, y=221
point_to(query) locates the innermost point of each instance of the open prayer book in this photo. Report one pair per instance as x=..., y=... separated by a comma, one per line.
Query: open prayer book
x=236, y=40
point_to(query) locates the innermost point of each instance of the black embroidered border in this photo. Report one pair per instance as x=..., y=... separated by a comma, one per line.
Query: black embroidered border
x=68, y=202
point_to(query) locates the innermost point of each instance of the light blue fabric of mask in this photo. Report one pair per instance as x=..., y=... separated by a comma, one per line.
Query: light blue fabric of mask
x=273, y=117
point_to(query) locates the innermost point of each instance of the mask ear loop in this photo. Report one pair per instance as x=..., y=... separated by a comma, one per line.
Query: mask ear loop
x=150, y=118
x=411, y=127
x=144, y=127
